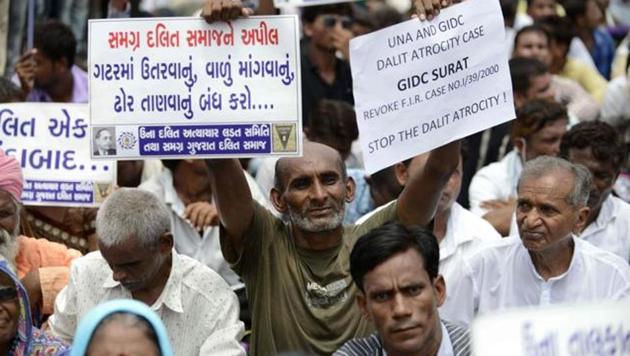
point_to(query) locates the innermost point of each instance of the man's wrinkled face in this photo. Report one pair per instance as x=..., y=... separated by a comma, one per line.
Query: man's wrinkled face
x=104, y=140
x=10, y=226
x=402, y=301
x=544, y=215
x=315, y=192
x=540, y=9
x=533, y=45
x=546, y=141
x=9, y=213
x=134, y=265
x=604, y=175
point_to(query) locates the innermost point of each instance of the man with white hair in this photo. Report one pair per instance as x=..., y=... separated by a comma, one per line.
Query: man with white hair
x=547, y=263
x=137, y=261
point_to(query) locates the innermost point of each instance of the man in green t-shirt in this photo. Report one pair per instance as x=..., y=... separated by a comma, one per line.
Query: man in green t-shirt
x=296, y=270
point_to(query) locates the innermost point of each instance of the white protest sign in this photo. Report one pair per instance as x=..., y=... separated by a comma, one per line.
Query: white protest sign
x=178, y=87
x=593, y=329
x=421, y=84
x=52, y=142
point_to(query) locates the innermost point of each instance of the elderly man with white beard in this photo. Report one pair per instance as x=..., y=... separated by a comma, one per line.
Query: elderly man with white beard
x=42, y=265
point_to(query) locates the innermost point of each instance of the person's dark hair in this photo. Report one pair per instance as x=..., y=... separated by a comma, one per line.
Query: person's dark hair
x=535, y=115
x=604, y=141
x=333, y=121
x=55, y=40
x=535, y=28
x=9, y=91
x=530, y=2
x=382, y=243
x=574, y=9
x=624, y=132
x=310, y=13
x=171, y=164
x=385, y=182
x=523, y=70
x=560, y=30
x=464, y=150
x=385, y=16
x=508, y=9
x=362, y=17
x=100, y=131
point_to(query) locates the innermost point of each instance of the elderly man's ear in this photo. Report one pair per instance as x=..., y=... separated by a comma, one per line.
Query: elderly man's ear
x=166, y=243
x=580, y=219
x=224, y=10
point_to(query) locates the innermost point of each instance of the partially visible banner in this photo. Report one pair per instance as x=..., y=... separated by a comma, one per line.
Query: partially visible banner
x=421, y=84
x=52, y=142
x=566, y=330
x=179, y=87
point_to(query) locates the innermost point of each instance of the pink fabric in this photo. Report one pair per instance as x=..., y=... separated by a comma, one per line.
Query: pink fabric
x=11, y=178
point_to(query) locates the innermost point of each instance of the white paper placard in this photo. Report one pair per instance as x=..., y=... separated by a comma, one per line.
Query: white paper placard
x=421, y=84
x=179, y=87
x=52, y=143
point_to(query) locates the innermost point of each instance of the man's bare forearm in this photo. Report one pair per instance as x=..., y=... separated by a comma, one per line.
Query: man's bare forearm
x=232, y=197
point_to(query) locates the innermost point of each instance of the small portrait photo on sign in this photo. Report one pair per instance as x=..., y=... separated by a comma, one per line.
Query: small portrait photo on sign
x=103, y=141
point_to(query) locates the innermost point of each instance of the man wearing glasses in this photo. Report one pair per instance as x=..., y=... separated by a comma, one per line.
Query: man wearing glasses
x=325, y=75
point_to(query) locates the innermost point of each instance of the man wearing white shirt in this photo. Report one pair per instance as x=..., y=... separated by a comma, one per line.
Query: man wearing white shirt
x=137, y=261
x=185, y=189
x=537, y=131
x=598, y=147
x=548, y=264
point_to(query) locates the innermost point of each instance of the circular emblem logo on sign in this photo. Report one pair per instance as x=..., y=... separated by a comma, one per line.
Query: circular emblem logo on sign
x=127, y=140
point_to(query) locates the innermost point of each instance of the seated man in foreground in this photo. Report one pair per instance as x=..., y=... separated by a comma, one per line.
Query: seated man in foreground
x=458, y=232
x=297, y=273
x=548, y=264
x=137, y=261
x=396, y=271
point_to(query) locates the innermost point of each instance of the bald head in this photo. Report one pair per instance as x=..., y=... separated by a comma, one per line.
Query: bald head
x=312, y=152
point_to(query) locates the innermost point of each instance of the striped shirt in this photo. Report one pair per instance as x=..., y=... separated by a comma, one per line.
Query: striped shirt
x=457, y=336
